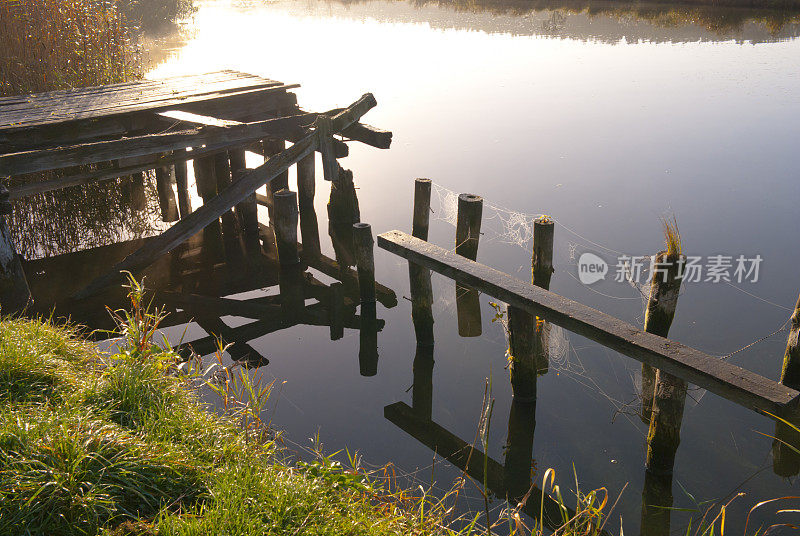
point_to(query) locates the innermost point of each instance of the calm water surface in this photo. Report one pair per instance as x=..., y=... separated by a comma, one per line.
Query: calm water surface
x=605, y=122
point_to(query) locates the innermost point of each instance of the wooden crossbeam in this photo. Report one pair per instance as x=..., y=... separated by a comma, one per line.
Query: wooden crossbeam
x=734, y=383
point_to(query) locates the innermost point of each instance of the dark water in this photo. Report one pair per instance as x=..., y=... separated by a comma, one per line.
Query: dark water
x=606, y=121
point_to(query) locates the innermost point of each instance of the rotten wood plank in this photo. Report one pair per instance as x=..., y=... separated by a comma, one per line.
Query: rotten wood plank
x=720, y=377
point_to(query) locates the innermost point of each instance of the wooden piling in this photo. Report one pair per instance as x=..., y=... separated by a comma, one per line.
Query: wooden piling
x=182, y=183
x=658, y=317
x=330, y=167
x=542, y=259
x=138, y=193
x=420, y=277
x=270, y=147
x=166, y=197
x=247, y=209
x=343, y=212
x=15, y=295
x=204, y=178
x=306, y=190
x=468, y=232
x=365, y=261
x=336, y=310
x=669, y=394
x=286, y=219
x=785, y=460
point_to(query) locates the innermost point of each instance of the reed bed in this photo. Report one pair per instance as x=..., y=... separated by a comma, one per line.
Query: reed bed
x=61, y=44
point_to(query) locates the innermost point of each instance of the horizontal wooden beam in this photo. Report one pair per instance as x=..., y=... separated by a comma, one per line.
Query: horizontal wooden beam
x=720, y=377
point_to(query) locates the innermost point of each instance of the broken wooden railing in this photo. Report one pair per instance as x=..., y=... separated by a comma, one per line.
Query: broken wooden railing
x=734, y=383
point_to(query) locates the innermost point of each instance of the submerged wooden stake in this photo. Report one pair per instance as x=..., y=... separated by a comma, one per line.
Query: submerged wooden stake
x=468, y=232
x=15, y=295
x=286, y=219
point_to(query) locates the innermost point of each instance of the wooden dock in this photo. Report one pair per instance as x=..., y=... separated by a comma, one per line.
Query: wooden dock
x=100, y=133
x=720, y=377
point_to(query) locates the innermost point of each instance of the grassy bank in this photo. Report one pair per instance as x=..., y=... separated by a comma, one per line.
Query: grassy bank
x=119, y=444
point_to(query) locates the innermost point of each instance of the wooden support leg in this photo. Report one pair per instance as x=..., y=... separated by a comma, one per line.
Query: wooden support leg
x=15, y=295
x=271, y=147
x=468, y=231
x=343, y=212
x=182, y=182
x=138, y=194
x=247, y=210
x=306, y=189
x=166, y=197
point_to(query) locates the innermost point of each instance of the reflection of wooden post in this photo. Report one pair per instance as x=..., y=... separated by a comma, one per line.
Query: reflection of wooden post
x=419, y=277
x=422, y=389
x=14, y=292
x=669, y=397
x=182, y=182
x=166, y=197
x=368, y=339
x=365, y=261
x=306, y=189
x=292, y=297
x=247, y=210
x=468, y=231
x=785, y=461
x=286, y=227
x=519, y=449
x=336, y=310
x=656, y=504
x=658, y=318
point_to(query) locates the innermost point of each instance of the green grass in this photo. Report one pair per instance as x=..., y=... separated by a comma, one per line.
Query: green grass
x=120, y=444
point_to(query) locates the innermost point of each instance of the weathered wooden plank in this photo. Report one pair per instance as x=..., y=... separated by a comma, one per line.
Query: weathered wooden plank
x=102, y=151
x=226, y=199
x=720, y=377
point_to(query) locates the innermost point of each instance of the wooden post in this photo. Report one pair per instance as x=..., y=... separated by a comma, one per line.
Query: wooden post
x=306, y=189
x=519, y=450
x=368, y=339
x=542, y=259
x=270, y=147
x=330, y=167
x=365, y=261
x=336, y=310
x=343, y=212
x=422, y=389
x=182, y=182
x=138, y=194
x=468, y=232
x=419, y=277
x=204, y=178
x=166, y=197
x=657, y=320
x=785, y=461
x=669, y=398
x=15, y=295
x=286, y=218
x=247, y=210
